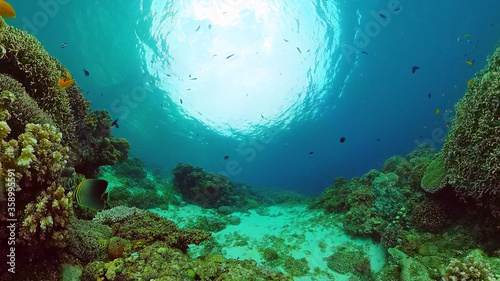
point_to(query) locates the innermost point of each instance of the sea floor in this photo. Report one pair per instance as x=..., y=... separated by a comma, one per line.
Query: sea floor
x=287, y=230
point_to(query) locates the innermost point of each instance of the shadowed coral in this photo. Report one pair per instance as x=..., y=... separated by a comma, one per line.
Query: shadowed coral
x=46, y=220
x=350, y=258
x=430, y=216
x=88, y=240
x=147, y=225
x=472, y=152
x=96, y=147
x=28, y=63
x=435, y=175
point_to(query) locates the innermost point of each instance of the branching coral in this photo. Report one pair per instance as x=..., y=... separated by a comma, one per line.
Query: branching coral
x=472, y=152
x=46, y=219
x=471, y=268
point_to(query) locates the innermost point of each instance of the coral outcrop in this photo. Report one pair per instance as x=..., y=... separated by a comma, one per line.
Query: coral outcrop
x=472, y=150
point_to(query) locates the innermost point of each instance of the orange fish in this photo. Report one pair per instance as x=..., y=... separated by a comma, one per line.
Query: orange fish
x=470, y=81
x=6, y=10
x=67, y=81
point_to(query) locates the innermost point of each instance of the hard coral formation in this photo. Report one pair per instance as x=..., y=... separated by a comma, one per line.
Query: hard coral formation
x=472, y=152
x=88, y=240
x=95, y=146
x=45, y=220
x=474, y=267
x=28, y=63
x=147, y=225
x=435, y=175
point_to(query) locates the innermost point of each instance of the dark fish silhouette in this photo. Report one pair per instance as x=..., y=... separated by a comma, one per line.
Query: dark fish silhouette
x=364, y=52
x=311, y=152
x=209, y=26
x=262, y=116
x=397, y=9
x=285, y=40
x=229, y=56
x=226, y=157
x=86, y=72
x=64, y=45
x=91, y=193
x=180, y=100
x=382, y=15
x=415, y=68
x=193, y=78
x=342, y=139
x=299, y=50
x=429, y=95
x=115, y=123
x=378, y=139
x=198, y=28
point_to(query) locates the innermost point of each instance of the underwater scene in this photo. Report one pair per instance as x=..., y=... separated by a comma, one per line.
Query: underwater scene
x=307, y=140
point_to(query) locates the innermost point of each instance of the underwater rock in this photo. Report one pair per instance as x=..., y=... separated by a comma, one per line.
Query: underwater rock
x=116, y=247
x=411, y=269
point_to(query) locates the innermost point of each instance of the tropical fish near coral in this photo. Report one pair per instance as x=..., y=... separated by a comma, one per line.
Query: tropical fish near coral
x=91, y=193
x=65, y=81
x=6, y=10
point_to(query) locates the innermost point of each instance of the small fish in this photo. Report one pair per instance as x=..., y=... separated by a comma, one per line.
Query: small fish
x=382, y=15
x=64, y=45
x=299, y=50
x=87, y=92
x=342, y=139
x=229, y=56
x=310, y=153
x=466, y=36
x=415, y=68
x=6, y=10
x=285, y=40
x=425, y=127
x=115, y=123
x=378, y=139
x=262, y=116
x=198, y=28
x=168, y=75
x=91, y=193
x=180, y=100
x=397, y=9
x=429, y=95
x=161, y=105
x=188, y=89
x=209, y=26
x=468, y=62
x=459, y=39
x=193, y=78
x=470, y=81
x=437, y=111
x=226, y=157
x=86, y=72
x=364, y=52
x=66, y=81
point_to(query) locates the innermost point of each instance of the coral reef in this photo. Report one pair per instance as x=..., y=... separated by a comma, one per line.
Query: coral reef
x=472, y=150
x=45, y=220
x=88, y=240
x=212, y=191
x=434, y=177
x=350, y=258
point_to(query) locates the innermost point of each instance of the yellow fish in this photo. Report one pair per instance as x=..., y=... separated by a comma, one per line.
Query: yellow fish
x=466, y=35
x=92, y=194
x=455, y=86
x=6, y=10
x=470, y=81
x=66, y=81
x=425, y=127
x=437, y=111
x=469, y=63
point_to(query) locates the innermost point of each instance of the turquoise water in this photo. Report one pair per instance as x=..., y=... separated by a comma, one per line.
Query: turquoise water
x=297, y=83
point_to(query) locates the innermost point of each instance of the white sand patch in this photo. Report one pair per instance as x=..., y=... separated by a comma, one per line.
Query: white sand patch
x=292, y=230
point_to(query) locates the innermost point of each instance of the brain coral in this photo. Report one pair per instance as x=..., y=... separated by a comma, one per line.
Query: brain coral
x=472, y=152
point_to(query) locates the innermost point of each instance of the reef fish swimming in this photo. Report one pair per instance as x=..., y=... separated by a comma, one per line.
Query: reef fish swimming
x=66, y=81
x=91, y=193
x=415, y=68
x=6, y=10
